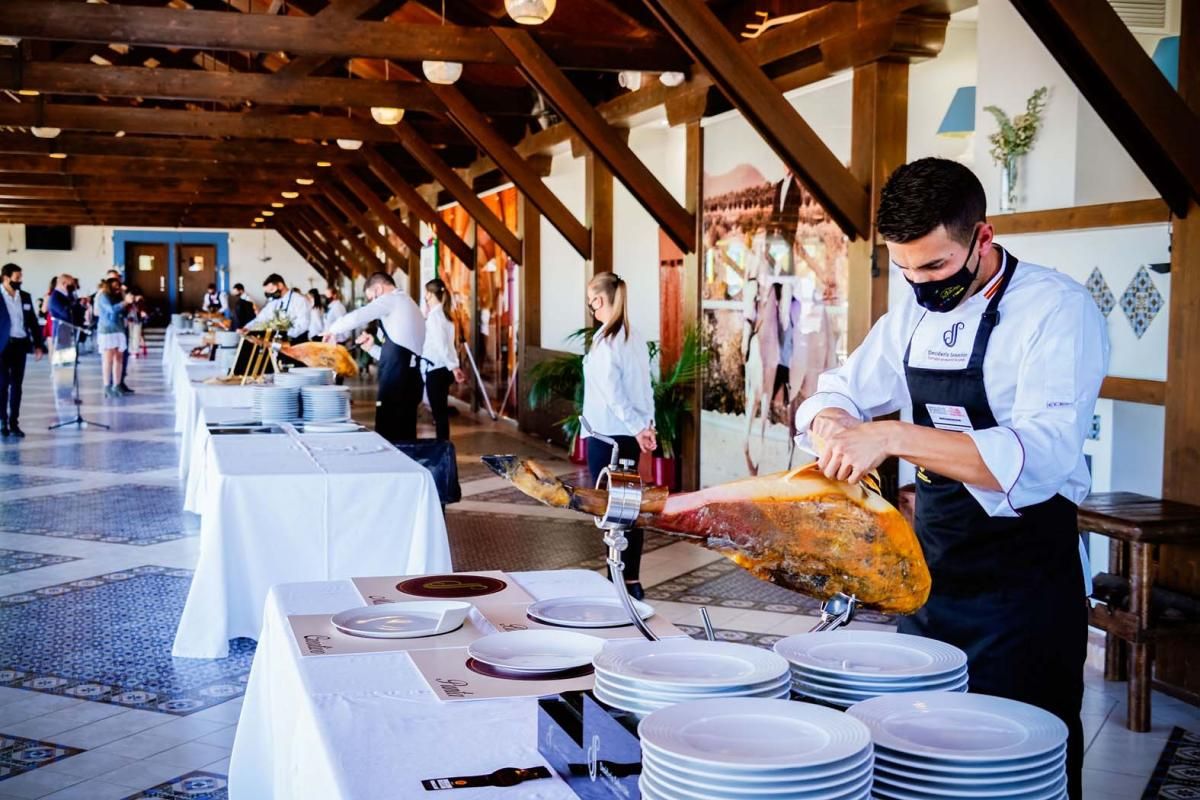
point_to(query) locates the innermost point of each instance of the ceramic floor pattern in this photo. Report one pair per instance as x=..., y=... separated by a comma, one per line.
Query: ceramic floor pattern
x=92, y=706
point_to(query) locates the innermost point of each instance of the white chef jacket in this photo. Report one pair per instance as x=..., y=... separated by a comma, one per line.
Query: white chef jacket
x=333, y=312
x=618, y=399
x=439, y=340
x=402, y=320
x=294, y=306
x=1042, y=373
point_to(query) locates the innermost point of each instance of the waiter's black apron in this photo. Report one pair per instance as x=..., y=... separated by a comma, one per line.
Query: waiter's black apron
x=1007, y=590
x=400, y=390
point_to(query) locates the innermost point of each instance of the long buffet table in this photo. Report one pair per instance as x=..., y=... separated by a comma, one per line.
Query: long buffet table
x=348, y=727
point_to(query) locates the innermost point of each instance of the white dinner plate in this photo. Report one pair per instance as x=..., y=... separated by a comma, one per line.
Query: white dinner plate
x=851, y=765
x=799, y=781
x=404, y=620
x=674, y=791
x=625, y=684
x=774, y=689
x=842, y=682
x=856, y=696
x=536, y=650
x=599, y=611
x=644, y=705
x=330, y=427
x=902, y=772
x=960, y=727
x=968, y=767
x=878, y=655
x=752, y=733
x=1056, y=780
x=690, y=662
x=886, y=791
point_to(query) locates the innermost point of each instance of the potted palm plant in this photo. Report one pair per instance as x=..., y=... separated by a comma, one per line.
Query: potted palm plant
x=672, y=403
x=561, y=378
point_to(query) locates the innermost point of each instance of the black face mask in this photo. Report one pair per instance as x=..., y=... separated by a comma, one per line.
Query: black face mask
x=16, y=285
x=945, y=294
x=275, y=295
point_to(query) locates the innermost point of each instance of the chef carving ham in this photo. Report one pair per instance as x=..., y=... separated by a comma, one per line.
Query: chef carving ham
x=797, y=529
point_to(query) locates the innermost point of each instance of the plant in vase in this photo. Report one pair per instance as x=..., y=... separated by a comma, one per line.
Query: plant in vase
x=1013, y=140
x=672, y=403
x=561, y=378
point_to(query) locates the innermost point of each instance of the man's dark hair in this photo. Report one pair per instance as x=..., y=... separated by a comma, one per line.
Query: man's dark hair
x=274, y=277
x=239, y=287
x=927, y=193
x=10, y=269
x=212, y=287
x=378, y=278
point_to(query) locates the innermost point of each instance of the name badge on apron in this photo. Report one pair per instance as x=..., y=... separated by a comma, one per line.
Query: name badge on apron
x=949, y=418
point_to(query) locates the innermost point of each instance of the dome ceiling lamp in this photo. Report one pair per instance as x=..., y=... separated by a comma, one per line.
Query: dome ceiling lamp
x=530, y=12
x=384, y=115
x=442, y=72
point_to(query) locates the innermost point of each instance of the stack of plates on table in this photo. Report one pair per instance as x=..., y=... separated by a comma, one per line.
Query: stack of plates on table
x=944, y=745
x=737, y=748
x=641, y=677
x=276, y=403
x=535, y=653
x=844, y=667
x=325, y=403
x=304, y=376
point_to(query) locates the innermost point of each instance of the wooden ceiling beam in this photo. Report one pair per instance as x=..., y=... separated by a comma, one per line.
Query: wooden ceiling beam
x=341, y=10
x=601, y=138
x=145, y=168
x=177, y=149
x=318, y=246
x=379, y=208
x=302, y=249
x=120, y=195
x=356, y=218
x=740, y=79
x=477, y=126
x=319, y=230
x=61, y=20
x=425, y=155
x=339, y=228
x=1137, y=103
x=411, y=199
x=178, y=122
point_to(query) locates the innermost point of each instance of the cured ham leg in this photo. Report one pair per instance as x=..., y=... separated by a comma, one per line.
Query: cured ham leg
x=797, y=529
x=323, y=354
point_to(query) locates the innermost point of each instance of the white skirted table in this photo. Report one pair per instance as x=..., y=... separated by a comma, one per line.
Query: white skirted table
x=192, y=394
x=367, y=726
x=278, y=508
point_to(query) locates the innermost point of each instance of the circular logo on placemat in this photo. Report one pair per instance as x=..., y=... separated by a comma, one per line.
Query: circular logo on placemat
x=451, y=586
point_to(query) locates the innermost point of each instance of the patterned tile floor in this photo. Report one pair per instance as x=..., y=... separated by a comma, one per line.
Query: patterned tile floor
x=92, y=706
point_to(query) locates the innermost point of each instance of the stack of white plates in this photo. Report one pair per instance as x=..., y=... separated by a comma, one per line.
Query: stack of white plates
x=325, y=403
x=276, y=403
x=737, y=748
x=844, y=667
x=943, y=745
x=640, y=676
x=304, y=376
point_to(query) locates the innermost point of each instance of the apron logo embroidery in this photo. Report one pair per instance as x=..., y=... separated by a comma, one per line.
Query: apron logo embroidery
x=950, y=337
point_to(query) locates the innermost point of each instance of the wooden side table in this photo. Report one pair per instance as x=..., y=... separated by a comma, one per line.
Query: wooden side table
x=1136, y=525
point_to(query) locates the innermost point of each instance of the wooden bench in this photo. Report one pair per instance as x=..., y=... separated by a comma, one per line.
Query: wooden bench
x=1135, y=525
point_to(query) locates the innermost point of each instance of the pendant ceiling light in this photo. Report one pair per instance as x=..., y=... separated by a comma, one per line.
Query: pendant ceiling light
x=672, y=78
x=289, y=195
x=309, y=181
x=443, y=72
x=325, y=163
x=630, y=80
x=348, y=144
x=529, y=12
x=386, y=115
x=45, y=133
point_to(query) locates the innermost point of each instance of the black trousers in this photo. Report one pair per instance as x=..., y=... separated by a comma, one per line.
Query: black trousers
x=12, y=375
x=599, y=454
x=437, y=388
x=1027, y=643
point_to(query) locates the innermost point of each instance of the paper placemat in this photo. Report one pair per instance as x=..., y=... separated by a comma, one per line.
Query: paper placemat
x=515, y=617
x=315, y=635
x=450, y=678
x=479, y=588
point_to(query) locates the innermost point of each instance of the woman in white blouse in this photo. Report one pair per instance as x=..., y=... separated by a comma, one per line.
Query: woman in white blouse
x=441, y=354
x=316, y=315
x=618, y=400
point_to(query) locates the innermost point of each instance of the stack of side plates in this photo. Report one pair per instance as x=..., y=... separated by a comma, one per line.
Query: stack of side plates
x=325, y=403
x=844, y=667
x=938, y=744
x=641, y=676
x=738, y=748
x=276, y=403
x=304, y=376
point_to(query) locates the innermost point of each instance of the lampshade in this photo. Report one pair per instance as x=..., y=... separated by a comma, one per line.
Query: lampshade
x=307, y=181
x=629, y=79
x=324, y=163
x=530, y=12
x=349, y=144
x=960, y=116
x=45, y=133
x=289, y=195
x=443, y=72
x=384, y=115
x=672, y=78
x=1166, y=58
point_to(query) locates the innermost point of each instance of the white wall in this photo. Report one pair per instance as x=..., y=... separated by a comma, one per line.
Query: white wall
x=563, y=291
x=931, y=87
x=92, y=256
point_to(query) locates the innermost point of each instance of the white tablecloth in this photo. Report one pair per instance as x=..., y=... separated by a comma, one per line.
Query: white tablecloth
x=193, y=496
x=192, y=395
x=176, y=349
x=366, y=727
x=279, y=508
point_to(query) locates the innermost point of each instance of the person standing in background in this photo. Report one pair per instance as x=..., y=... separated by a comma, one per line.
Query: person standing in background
x=111, y=338
x=335, y=309
x=111, y=275
x=135, y=316
x=241, y=310
x=19, y=334
x=316, y=315
x=288, y=302
x=441, y=354
x=212, y=300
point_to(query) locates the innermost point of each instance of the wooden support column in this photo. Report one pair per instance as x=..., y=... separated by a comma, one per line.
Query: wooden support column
x=878, y=145
x=693, y=280
x=530, y=277
x=598, y=188
x=1177, y=664
x=413, y=269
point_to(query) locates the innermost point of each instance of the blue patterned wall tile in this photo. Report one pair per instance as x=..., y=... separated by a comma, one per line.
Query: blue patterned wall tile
x=1141, y=301
x=1100, y=291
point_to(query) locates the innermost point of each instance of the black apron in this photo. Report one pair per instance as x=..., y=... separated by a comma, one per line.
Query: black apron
x=400, y=390
x=1007, y=590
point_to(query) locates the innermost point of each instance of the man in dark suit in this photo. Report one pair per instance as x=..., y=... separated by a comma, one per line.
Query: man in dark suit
x=241, y=310
x=19, y=334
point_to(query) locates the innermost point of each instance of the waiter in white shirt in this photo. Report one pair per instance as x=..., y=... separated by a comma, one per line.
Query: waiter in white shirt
x=290, y=303
x=1000, y=362
x=335, y=309
x=400, y=384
